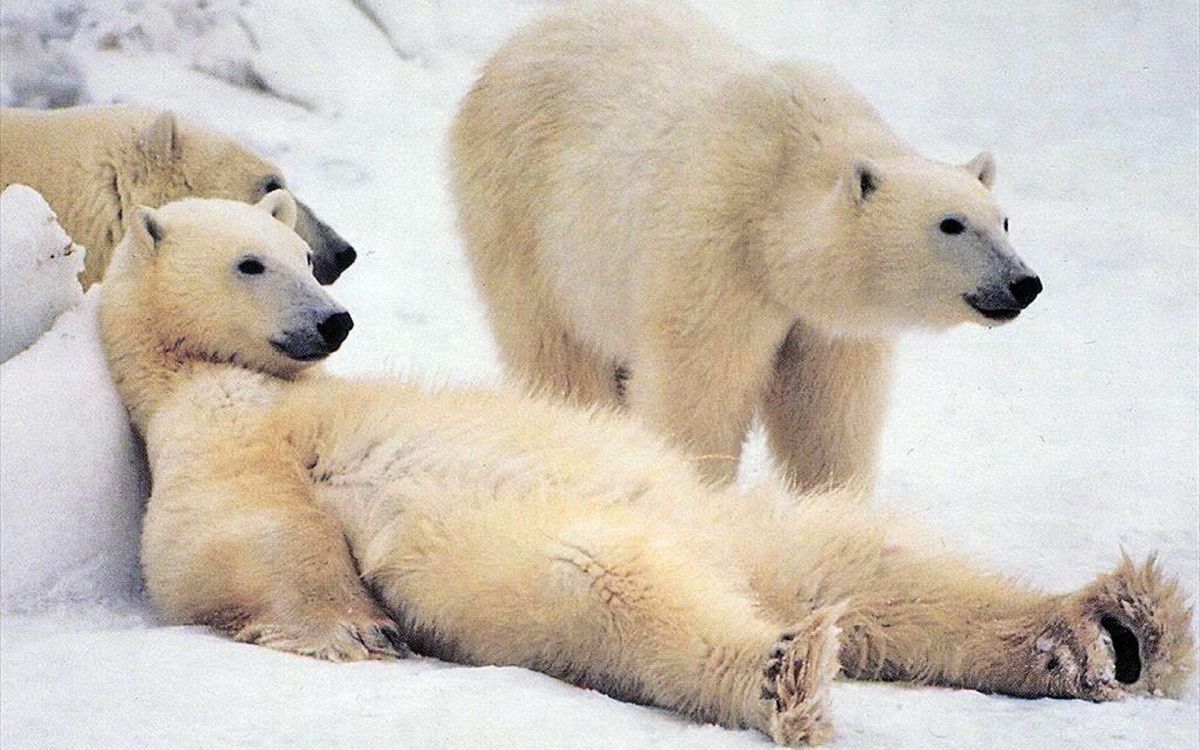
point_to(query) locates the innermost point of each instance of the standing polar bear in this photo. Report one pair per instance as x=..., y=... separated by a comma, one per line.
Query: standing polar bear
x=641, y=198
x=350, y=519
x=94, y=164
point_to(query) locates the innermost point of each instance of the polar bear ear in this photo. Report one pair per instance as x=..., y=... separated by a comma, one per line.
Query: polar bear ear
x=160, y=141
x=983, y=167
x=146, y=229
x=281, y=205
x=863, y=180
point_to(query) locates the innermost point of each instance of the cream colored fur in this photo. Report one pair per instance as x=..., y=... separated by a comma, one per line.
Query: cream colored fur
x=342, y=518
x=638, y=195
x=94, y=164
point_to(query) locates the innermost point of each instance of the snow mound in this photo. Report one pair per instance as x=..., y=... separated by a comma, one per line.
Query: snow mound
x=73, y=481
x=38, y=73
x=328, y=59
x=38, y=268
x=420, y=29
x=39, y=68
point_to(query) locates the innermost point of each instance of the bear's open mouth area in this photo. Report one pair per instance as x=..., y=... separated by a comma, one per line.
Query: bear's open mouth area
x=996, y=313
x=1126, y=653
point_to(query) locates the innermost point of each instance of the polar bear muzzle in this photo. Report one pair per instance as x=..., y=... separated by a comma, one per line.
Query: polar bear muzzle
x=330, y=253
x=1005, y=300
x=1007, y=285
x=318, y=337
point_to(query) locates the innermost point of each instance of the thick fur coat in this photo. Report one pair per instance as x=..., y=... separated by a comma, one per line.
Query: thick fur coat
x=94, y=164
x=352, y=519
x=658, y=217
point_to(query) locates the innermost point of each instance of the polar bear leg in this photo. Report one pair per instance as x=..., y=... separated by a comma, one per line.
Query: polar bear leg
x=930, y=617
x=536, y=347
x=687, y=638
x=250, y=558
x=601, y=597
x=702, y=392
x=825, y=408
x=536, y=344
x=938, y=620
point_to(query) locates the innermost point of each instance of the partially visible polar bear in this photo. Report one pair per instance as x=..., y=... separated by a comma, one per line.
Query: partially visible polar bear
x=343, y=518
x=641, y=198
x=94, y=164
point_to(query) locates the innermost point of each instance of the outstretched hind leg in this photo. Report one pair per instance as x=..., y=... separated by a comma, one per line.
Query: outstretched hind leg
x=937, y=618
x=1128, y=631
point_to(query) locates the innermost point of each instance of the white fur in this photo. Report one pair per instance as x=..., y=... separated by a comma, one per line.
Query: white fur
x=95, y=164
x=638, y=193
x=325, y=516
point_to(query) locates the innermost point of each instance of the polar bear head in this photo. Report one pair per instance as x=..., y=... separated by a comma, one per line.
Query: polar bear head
x=184, y=160
x=223, y=281
x=908, y=242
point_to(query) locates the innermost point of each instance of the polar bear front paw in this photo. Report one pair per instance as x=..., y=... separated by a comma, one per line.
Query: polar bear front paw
x=349, y=637
x=798, y=677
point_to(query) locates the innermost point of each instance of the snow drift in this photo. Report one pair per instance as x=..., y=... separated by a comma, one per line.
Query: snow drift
x=38, y=268
x=73, y=480
x=73, y=476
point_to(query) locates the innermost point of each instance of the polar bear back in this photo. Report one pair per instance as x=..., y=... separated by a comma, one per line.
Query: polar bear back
x=623, y=106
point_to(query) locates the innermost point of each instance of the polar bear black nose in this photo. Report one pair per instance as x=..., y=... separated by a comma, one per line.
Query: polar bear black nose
x=1025, y=289
x=335, y=329
x=345, y=257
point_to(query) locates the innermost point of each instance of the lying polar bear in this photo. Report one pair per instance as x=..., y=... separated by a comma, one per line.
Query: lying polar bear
x=351, y=519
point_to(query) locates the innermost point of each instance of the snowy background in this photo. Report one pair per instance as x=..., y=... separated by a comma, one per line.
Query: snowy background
x=1040, y=447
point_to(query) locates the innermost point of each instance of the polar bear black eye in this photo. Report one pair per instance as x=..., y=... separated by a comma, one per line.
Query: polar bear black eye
x=952, y=226
x=251, y=267
x=1006, y=225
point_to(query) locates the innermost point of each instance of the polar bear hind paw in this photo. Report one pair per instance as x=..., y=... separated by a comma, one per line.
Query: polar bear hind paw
x=799, y=674
x=1136, y=629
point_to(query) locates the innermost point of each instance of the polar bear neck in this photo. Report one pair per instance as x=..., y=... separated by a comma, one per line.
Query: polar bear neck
x=147, y=370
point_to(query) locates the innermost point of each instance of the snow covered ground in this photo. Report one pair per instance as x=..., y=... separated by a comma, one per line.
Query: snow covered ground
x=1041, y=447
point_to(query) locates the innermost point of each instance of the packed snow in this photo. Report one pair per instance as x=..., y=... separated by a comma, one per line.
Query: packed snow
x=1041, y=447
x=73, y=479
x=39, y=266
